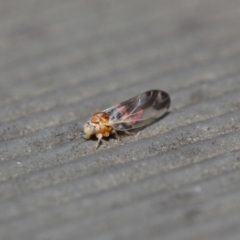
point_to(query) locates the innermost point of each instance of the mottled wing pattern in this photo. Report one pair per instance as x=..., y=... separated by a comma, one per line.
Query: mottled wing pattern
x=139, y=111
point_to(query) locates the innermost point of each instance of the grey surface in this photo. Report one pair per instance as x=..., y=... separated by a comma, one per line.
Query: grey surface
x=62, y=60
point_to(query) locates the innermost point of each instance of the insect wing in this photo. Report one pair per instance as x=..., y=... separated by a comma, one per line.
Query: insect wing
x=139, y=111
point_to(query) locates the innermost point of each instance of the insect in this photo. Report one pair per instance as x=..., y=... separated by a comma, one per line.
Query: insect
x=137, y=112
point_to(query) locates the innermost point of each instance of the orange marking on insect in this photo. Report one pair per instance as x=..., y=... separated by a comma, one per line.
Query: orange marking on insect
x=99, y=117
x=102, y=120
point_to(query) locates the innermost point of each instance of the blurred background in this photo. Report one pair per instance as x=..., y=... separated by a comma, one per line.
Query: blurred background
x=60, y=61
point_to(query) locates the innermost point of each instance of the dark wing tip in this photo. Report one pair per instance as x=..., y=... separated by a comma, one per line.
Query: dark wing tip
x=162, y=99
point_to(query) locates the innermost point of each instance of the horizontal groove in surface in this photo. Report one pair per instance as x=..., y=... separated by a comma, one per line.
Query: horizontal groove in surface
x=114, y=33
x=153, y=207
x=65, y=155
x=56, y=49
x=187, y=95
x=73, y=92
x=142, y=224
x=145, y=60
x=113, y=177
x=173, y=178
x=50, y=137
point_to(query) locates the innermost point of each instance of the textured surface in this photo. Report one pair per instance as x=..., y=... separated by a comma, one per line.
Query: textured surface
x=62, y=60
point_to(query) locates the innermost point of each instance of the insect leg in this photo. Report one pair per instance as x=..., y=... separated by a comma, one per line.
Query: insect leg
x=116, y=135
x=99, y=137
x=129, y=133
